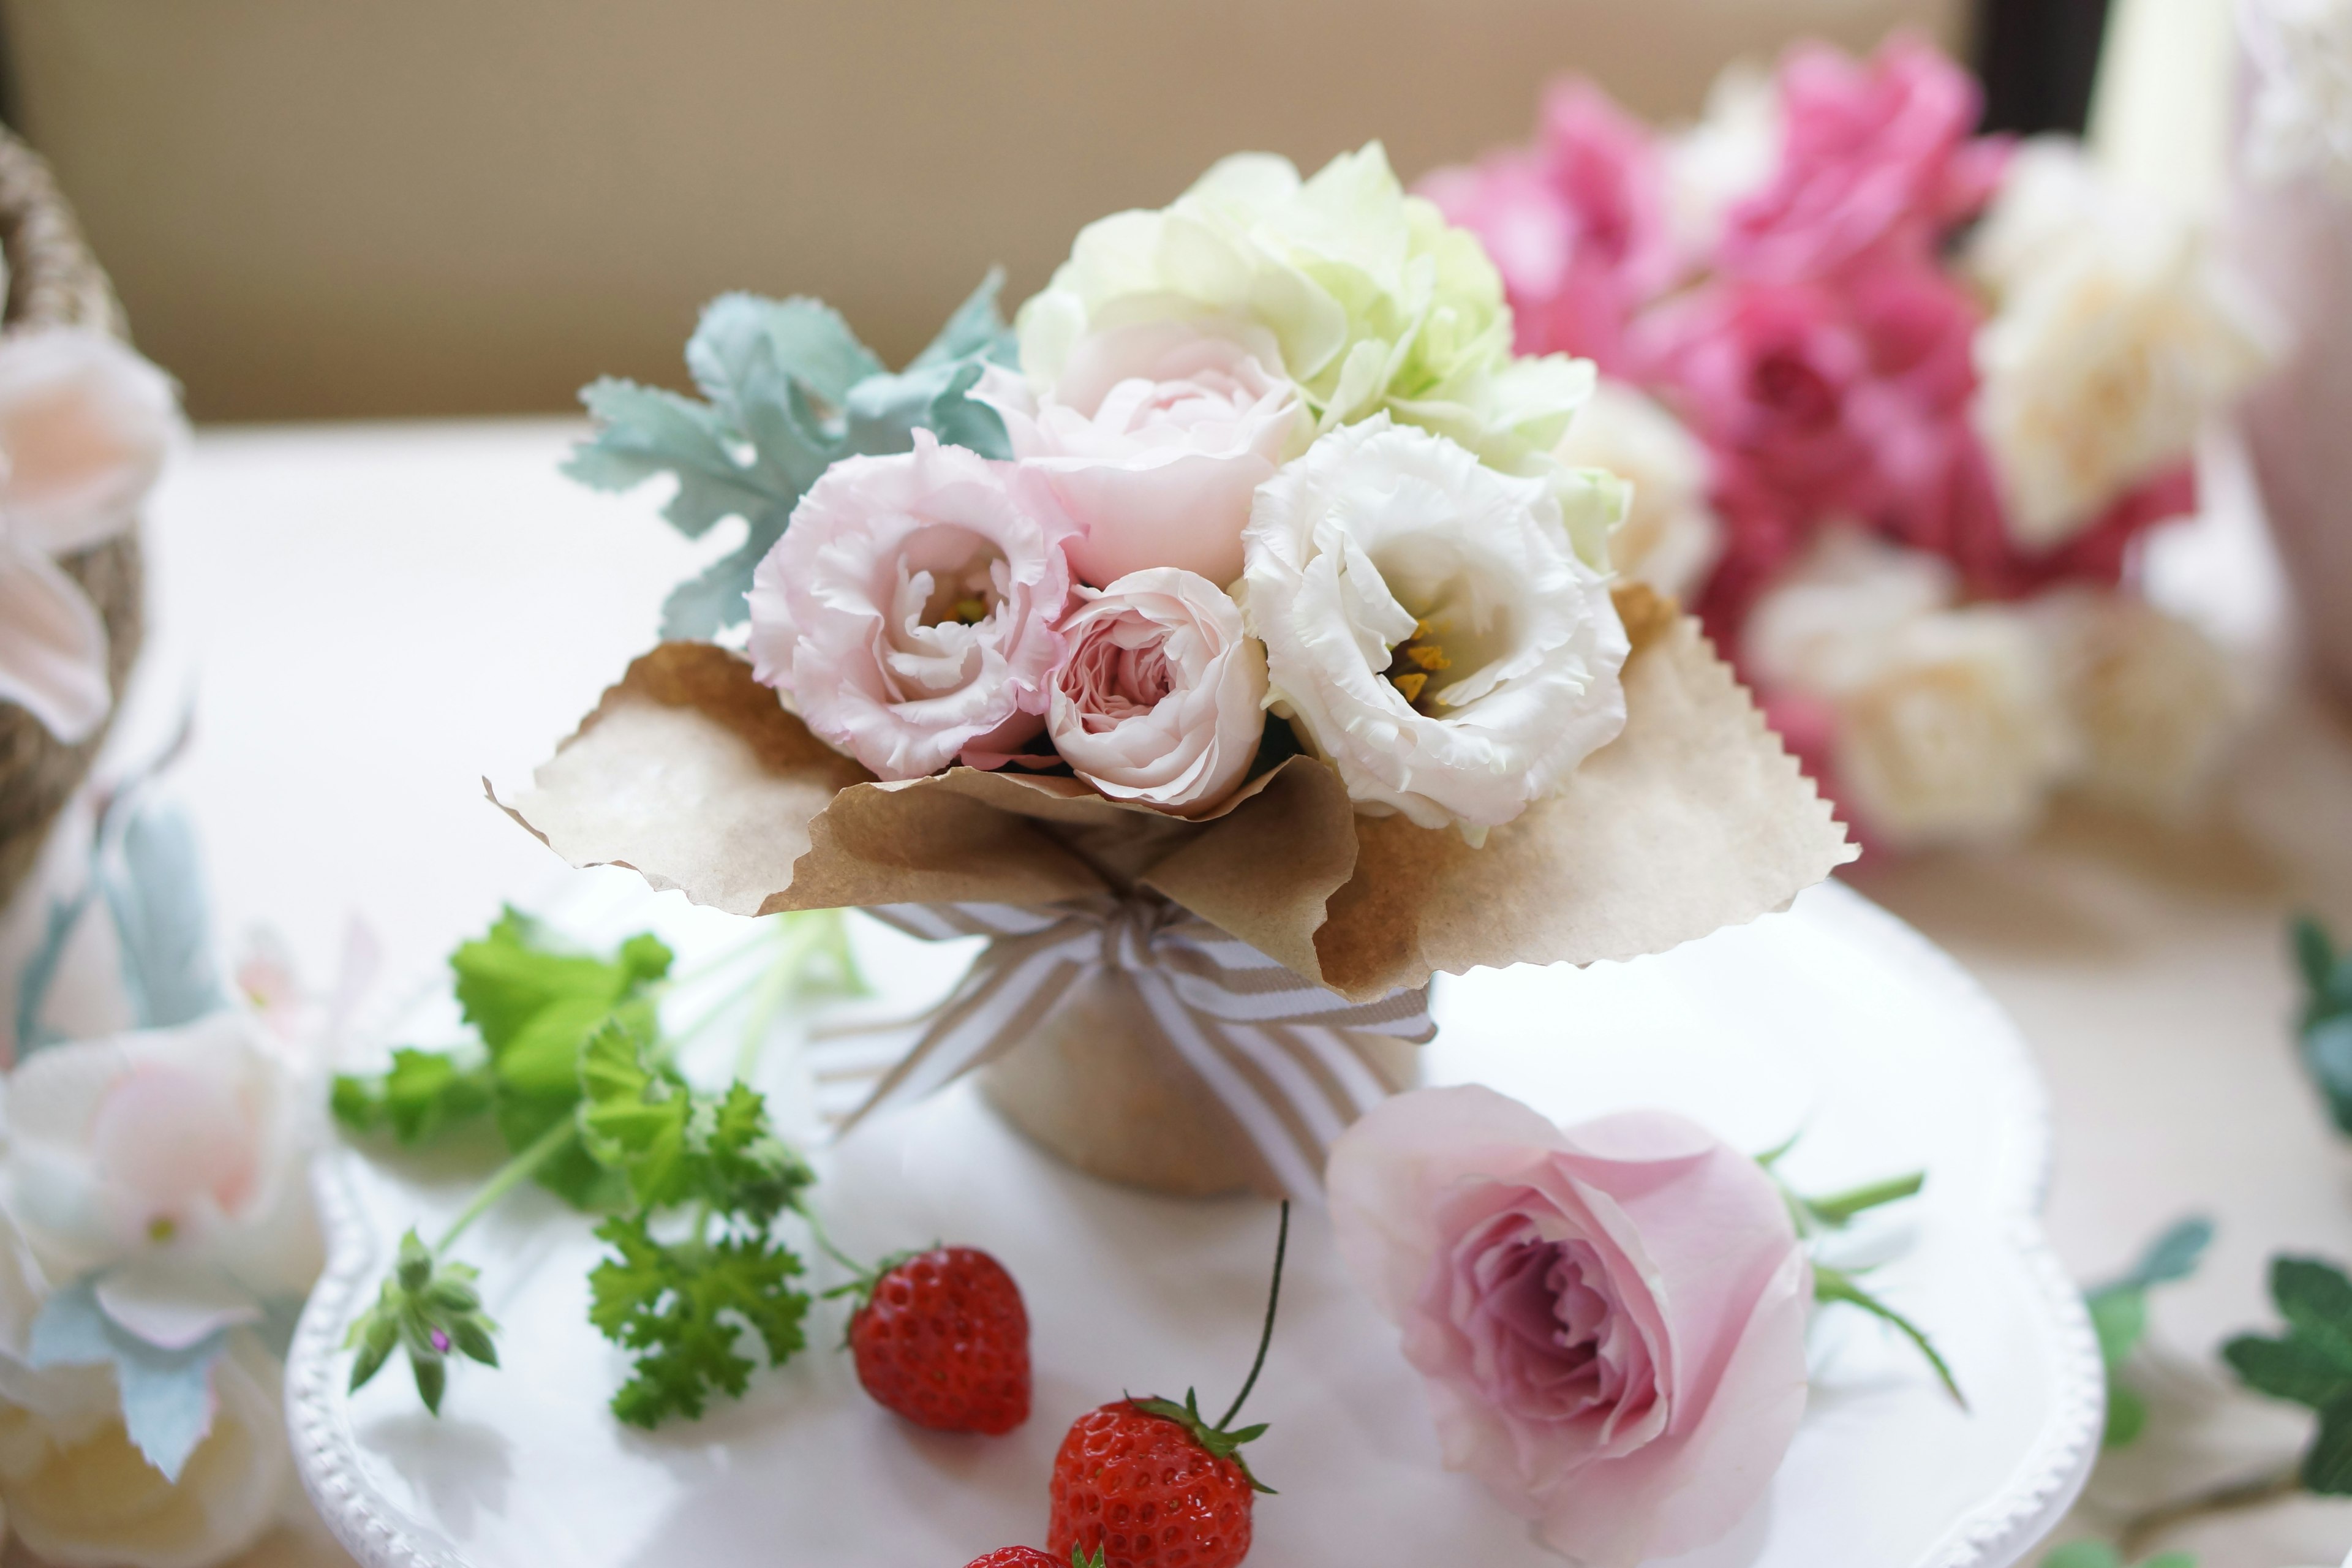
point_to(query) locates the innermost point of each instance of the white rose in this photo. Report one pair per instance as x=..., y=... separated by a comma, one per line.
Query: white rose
x=1154, y=436
x=81, y=1495
x=1671, y=536
x=2116, y=334
x=84, y=426
x=1428, y=627
x=167, y=1163
x=2154, y=702
x=1161, y=698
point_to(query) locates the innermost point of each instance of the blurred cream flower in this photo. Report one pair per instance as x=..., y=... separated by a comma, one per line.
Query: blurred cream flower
x=2115, y=334
x=1670, y=536
x=2302, y=119
x=2152, y=698
x=1376, y=303
x=1728, y=154
x=81, y=1495
x=1949, y=728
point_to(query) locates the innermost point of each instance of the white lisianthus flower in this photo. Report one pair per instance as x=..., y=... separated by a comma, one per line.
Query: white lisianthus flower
x=1428, y=628
x=2116, y=335
x=81, y=1495
x=1821, y=626
x=1671, y=536
x=2153, y=700
x=1727, y=155
x=168, y=1164
x=1375, y=301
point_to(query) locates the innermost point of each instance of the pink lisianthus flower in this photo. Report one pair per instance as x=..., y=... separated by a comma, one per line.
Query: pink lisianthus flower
x=908, y=613
x=1875, y=156
x=1153, y=438
x=1609, y=1318
x=1577, y=224
x=1162, y=698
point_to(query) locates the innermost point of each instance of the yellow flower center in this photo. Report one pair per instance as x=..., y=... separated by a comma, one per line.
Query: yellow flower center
x=1412, y=661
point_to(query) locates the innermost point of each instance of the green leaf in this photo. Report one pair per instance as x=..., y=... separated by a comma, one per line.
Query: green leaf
x=715, y=598
x=2127, y=1416
x=2316, y=1299
x=2325, y=1046
x=634, y=1119
x=2174, y=1256
x=2293, y=1368
x=572, y=1174
x=424, y=1095
x=643, y=431
x=2328, y=1464
x=977, y=329
x=683, y=1309
x=2083, y=1554
x=743, y=339
x=2119, y=1317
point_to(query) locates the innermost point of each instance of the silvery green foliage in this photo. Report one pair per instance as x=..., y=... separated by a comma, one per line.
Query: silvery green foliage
x=790, y=392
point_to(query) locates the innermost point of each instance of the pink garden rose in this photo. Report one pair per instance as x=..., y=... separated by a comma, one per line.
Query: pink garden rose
x=1611, y=1317
x=1154, y=438
x=1163, y=697
x=1577, y=224
x=909, y=610
x=1875, y=155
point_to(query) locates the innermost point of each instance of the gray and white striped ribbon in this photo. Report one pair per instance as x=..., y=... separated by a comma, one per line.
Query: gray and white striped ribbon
x=1275, y=1050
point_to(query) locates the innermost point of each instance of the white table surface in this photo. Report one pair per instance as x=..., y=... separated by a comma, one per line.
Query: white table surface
x=373, y=617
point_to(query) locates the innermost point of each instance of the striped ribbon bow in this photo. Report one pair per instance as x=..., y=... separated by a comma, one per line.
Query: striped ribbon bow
x=1273, y=1049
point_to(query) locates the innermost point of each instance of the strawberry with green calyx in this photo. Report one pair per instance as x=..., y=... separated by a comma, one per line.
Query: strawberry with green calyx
x=1030, y=1557
x=942, y=1338
x=1150, y=1483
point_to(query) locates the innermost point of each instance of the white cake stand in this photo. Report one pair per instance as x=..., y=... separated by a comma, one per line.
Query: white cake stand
x=1834, y=1018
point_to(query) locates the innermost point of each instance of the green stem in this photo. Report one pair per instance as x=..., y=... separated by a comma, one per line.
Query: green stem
x=510, y=1177
x=764, y=934
x=1839, y=1207
x=2142, y=1529
x=777, y=984
x=717, y=1010
x=1265, y=1335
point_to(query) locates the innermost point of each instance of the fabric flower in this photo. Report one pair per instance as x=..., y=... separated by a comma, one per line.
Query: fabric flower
x=1375, y=300
x=84, y=426
x=1162, y=698
x=1875, y=156
x=908, y=613
x=2115, y=336
x=2153, y=700
x=168, y=1162
x=1609, y=1318
x=1577, y=224
x=1428, y=627
x=1154, y=438
x=1671, y=536
x=82, y=1496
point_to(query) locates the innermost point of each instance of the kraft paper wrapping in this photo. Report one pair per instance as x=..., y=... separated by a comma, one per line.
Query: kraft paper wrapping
x=694, y=775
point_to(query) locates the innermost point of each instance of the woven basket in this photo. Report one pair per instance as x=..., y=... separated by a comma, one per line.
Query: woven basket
x=53, y=279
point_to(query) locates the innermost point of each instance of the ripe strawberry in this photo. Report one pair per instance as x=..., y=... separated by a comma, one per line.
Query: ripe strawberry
x=1030, y=1557
x=944, y=1339
x=1148, y=1483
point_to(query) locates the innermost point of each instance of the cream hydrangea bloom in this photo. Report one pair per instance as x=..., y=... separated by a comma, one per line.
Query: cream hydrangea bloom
x=1377, y=302
x=2116, y=334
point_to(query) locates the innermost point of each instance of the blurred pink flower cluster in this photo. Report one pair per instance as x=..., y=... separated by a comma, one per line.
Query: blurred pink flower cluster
x=1873, y=322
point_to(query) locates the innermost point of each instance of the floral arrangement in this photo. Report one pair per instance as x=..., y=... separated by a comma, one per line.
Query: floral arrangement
x=1900, y=401
x=1230, y=617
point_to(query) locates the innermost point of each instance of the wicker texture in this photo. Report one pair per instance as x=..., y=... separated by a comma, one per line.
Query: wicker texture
x=53, y=279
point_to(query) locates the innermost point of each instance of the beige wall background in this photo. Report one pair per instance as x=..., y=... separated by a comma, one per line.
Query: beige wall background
x=320, y=208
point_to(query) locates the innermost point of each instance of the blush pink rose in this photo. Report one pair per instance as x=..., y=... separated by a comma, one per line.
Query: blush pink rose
x=1875, y=155
x=909, y=610
x=1161, y=698
x=1611, y=1317
x=1154, y=438
x=1577, y=224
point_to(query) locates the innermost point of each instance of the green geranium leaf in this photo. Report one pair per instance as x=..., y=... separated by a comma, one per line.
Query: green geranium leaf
x=2084, y=1554
x=2292, y=1368
x=2315, y=955
x=422, y=1095
x=2119, y=1317
x=2328, y=1465
x=2316, y=1299
x=682, y=1309
x=2325, y=1046
x=2127, y=1416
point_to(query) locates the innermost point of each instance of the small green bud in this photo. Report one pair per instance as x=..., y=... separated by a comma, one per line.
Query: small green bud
x=415, y=1270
